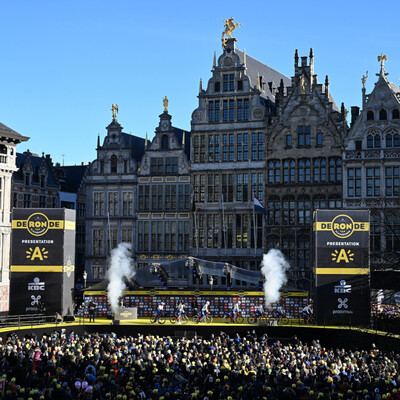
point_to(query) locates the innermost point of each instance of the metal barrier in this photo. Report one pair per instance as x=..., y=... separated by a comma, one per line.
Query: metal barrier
x=24, y=320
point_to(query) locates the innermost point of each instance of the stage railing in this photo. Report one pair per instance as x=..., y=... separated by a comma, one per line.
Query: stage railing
x=25, y=320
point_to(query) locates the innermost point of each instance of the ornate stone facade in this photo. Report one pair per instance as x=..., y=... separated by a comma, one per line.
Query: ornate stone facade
x=372, y=168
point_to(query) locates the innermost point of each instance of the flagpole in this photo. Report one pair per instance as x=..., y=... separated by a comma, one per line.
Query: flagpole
x=196, y=233
x=223, y=223
x=254, y=224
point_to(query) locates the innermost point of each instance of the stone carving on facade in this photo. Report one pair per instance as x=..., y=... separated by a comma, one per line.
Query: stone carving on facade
x=228, y=62
x=258, y=113
x=199, y=116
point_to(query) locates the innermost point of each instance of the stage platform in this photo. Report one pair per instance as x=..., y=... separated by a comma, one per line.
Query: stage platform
x=330, y=336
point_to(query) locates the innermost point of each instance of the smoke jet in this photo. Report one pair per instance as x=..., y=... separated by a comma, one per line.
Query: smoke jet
x=121, y=266
x=273, y=268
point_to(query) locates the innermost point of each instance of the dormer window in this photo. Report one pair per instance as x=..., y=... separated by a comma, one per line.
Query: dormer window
x=395, y=114
x=114, y=164
x=27, y=179
x=164, y=142
x=217, y=87
x=370, y=115
x=382, y=115
x=229, y=83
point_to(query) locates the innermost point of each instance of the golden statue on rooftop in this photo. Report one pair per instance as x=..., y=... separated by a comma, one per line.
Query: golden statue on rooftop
x=364, y=79
x=165, y=103
x=114, y=109
x=303, y=84
x=230, y=26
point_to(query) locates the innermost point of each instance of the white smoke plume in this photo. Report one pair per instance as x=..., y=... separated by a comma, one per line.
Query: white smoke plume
x=273, y=268
x=121, y=266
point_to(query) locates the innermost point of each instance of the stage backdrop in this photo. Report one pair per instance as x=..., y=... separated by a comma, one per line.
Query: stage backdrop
x=342, y=274
x=42, y=260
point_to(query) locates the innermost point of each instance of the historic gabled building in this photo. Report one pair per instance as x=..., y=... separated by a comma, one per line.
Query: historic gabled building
x=164, y=197
x=35, y=184
x=8, y=143
x=228, y=158
x=111, y=184
x=303, y=165
x=372, y=168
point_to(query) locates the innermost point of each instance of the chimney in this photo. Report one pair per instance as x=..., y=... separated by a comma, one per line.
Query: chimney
x=355, y=111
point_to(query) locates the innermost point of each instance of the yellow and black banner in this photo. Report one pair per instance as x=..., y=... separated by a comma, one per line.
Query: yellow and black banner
x=342, y=273
x=42, y=260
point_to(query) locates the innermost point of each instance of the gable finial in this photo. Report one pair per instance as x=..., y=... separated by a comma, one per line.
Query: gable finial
x=382, y=58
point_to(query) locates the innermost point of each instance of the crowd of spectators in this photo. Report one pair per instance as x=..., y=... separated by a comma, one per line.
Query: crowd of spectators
x=104, y=366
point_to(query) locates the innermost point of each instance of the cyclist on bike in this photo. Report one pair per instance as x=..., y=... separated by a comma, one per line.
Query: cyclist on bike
x=259, y=311
x=205, y=310
x=236, y=310
x=307, y=312
x=279, y=312
x=181, y=311
x=160, y=310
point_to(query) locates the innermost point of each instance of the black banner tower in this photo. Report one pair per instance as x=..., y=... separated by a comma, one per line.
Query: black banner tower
x=42, y=261
x=342, y=273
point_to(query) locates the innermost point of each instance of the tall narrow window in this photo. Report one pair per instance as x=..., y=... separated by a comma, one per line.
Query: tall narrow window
x=303, y=135
x=392, y=181
x=373, y=181
x=319, y=139
x=382, y=115
x=246, y=110
x=113, y=204
x=127, y=204
x=114, y=164
x=288, y=140
x=98, y=242
x=354, y=182
x=98, y=206
x=27, y=201
x=370, y=115
x=164, y=142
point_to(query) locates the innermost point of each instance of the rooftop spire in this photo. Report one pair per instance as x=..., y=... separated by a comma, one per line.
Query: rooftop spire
x=244, y=57
x=201, y=86
x=215, y=60
x=183, y=139
x=296, y=58
x=145, y=141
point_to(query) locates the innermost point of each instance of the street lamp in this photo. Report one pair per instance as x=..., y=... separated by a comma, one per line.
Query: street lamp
x=84, y=279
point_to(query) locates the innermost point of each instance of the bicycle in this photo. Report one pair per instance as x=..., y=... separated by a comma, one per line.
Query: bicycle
x=157, y=318
x=308, y=319
x=184, y=319
x=253, y=318
x=228, y=317
x=198, y=318
x=281, y=317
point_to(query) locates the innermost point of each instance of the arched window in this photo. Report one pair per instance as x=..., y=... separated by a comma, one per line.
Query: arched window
x=288, y=210
x=164, y=142
x=319, y=170
x=274, y=171
x=370, y=115
x=289, y=171
x=288, y=249
x=319, y=202
x=303, y=252
x=377, y=141
x=389, y=140
x=396, y=140
x=273, y=211
x=273, y=242
x=382, y=115
x=303, y=210
x=395, y=114
x=114, y=164
x=335, y=202
x=304, y=170
x=370, y=142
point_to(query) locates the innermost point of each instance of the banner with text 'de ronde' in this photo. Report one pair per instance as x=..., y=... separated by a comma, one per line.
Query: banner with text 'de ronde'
x=42, y=260
x=342, y=273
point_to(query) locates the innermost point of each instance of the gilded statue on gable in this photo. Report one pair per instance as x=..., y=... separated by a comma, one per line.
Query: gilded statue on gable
x=230, y=26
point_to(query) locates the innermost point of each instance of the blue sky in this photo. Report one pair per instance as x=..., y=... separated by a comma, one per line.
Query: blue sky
x=63, y=63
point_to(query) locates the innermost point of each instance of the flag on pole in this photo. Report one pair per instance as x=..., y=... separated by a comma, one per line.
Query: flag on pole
x=258, y=206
